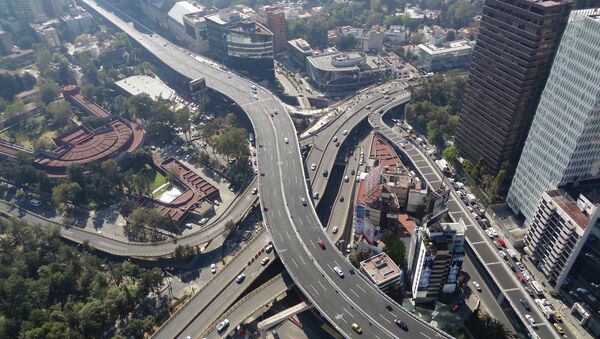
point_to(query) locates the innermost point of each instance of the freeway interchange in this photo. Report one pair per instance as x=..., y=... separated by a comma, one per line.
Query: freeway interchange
x=284, y=197
x=293, y=226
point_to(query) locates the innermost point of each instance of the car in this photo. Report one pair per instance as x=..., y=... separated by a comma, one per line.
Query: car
x=213, y=268
x=381, y=111
x=338, y=271
x=275, y=111
x=529, y=291
x=346, y=179
x=216, y=202
x=356, y=328
x=502, y=254
x=357, y=178
x=530, y=319
x=222, y=325
x=315, y=195
x=325, y=173
x=35, y=202
x=240, y=278
x=334, y=230
x=494, y=232
x=286, y=140
x=368, y=107
x=264, y=261
x=558, y=317
x=321, y=244
x=520, y=266
x=345, y=132
x=559, y=329
x=525, y=304
x=254, y=190
x=268, y=248
x=253, y=87
x=303, y=201
x=401, y=324
x=334, y=139
x=342, y=199
x=271, y=115
x=313, y=167
x=489, y=233
x=348, y=248
x=477, y=286
x=337, y=144
x=188, y=226
x=255, y=96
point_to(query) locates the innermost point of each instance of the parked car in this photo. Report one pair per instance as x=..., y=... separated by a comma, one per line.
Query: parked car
x=213, y=268
x=222, y=325
x=525, y=304
x=530, y=319
x=477, y=286
x=264, y=261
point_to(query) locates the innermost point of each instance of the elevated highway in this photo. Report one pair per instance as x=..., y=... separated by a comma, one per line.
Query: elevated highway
x=293, y=226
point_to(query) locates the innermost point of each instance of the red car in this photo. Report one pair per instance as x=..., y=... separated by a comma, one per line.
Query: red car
x=253, y=153
x=337, y=144
x=321, y=244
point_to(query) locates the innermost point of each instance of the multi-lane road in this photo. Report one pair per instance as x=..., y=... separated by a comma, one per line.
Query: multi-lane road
x=293, y=226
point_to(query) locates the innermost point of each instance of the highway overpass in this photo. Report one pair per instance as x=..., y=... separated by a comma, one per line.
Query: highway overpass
x=293, y=226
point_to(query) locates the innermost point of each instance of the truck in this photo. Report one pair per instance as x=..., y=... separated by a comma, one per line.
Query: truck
x=471, y=198
x=536, y=287
x=512, y=253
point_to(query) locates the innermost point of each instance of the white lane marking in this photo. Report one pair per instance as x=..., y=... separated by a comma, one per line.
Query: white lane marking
x=384, y=318
x=493, y=263
x=302, y=259
x=358, y=296
x=314, y=289
x=320, y=283
x=425, y=335
x=295, y=263
x=361, y=289
x=350, y=314
x=478, y=242
x=288, y=234
x=279, y=212
x=511, y=289
x=281, y=236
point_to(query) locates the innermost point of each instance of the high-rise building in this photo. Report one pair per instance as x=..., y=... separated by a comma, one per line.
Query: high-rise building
x=558, y=229
x=278, y=25
x=435, y=258
x=515, y=47
x=563, y=146
x=28, y=10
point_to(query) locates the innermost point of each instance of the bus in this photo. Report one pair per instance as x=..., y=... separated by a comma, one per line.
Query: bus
x=537, y=288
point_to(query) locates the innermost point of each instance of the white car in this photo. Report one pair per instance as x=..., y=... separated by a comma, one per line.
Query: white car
x=345, y=132
x=530, y=319
x=494, y=232
x=502, y=254
x=264, y=261
x=338, y=271
x=222, y=325
x=489, y=233
x=240, y=278
x=303, y=201
x=286, y=140
x=213, y=268
x=313, y=167
x=254, y=190
x=334, y=230
x=346, y=179
x=315, y=195
x=335, y=139
x=477, y=286
x=269, y=248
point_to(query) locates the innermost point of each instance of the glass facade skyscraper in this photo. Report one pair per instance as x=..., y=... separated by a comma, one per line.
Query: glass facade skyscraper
x=563, y=145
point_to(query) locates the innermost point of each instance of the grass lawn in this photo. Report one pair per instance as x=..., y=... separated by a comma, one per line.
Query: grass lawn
x=156, y=179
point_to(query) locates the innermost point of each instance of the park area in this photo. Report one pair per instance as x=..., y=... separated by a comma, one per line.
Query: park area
x=31, y=133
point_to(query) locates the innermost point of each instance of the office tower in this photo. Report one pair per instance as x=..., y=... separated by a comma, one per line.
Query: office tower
x=563, y=146
x=558, y=230
x=515, y=47
x=28, y=10
x=278, y=25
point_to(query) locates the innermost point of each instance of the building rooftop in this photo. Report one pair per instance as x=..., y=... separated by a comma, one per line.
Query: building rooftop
x=301, y=45
x=182, y=8
x=566, y=203
x=352, y=61
x=380, y=268
x=138, y=84
x=453, y=47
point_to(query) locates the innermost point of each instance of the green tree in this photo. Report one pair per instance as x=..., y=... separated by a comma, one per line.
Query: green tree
x=66, y=193
x=481, y=325
x=451, y=154
x=48, y=89
x=346, y=43
x=60, y=111
x=395, y=248
x=358, y=256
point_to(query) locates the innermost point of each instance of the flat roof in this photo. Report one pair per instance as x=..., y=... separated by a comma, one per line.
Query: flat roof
x=138, y=84
x=355, y=61
x=457, y=46
x=380, y=268
x=182, y=8
x=563, y=200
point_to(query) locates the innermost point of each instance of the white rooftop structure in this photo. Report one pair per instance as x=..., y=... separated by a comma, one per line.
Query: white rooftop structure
x=138, y=84
x=182, y=8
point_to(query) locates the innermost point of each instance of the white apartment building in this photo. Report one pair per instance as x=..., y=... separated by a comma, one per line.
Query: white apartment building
x=563, y=146
x=558, y=231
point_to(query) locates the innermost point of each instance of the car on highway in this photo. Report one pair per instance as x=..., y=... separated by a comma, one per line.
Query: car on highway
x=315, y=195
x=268, y=248
x=345, y=132
x=303, y=201
x=558, y=317
x=559, y=329
x=338, y=271
x=502, y=254
x=189, y=226
x=213, y=268
x=287, y=141
x=520, y=266
x=325, y=173
x=477, y=286
x=494, y=232
x=222, y=325
x=346, y=179
x=254, y=190
x=334, y=138
x=313, y=167
x=334, y=230
x=356, y=328
x=530, y=319
x=264, y=261
x=255, y=96
x=401, y=324
x=271, y=114
x=253, y=87
x=368, y=107
x=525, y=304
x=240, y=278
x=275, y=111
x=321, y=244
x=337, y=144
x=489, y=233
